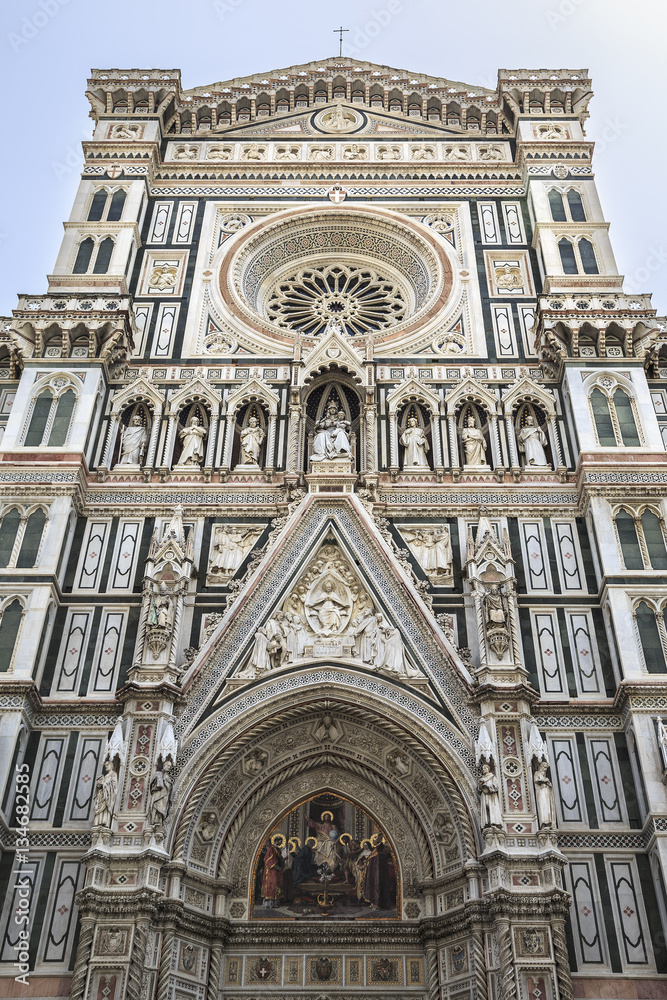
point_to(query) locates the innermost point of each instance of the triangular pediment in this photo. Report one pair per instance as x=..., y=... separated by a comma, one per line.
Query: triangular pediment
x=335, y=67
x=332, y=570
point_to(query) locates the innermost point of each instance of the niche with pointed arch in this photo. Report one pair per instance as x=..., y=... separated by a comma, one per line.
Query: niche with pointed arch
x=326, y=858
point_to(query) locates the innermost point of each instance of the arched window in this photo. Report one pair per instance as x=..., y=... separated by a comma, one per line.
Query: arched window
x=62, y=418
x=587, y=254
x=97, y=206
x=39, y=418
x=627, y=536
x=576, y=206
x=567, y=257
x=51, y=419
x=103, y=256
x=557, y=206
x=603, y=424
x=649, y=633
x=626, y=419
x=655, y=540
x=32, y=538
x=8, y=530
x=85, y=252
x=10, y=623
x=116, y=206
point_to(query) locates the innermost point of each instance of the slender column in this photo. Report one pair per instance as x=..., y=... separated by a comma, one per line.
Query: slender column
x=169, y=441
x=136, y=970
x=511, y=441
x=152, y=444
x=432, y=976
x=229, y=440
x=165, y=964
x=479, y=957
x=82, y=958
x=111, y=439
x=215, y=964
x=495, y=433
x=507, y=977
x=555, y=440
x=393, y=438
x=371, y=434
x=293, y=438
x=271, y=442
x=437, y=444
x=210, y=444
x=562, y=960
x=453, y=442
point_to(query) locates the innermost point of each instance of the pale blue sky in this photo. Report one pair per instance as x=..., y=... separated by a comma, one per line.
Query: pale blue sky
x=49, y=46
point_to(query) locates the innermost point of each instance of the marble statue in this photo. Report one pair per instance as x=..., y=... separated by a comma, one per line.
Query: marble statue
x=231, y=544
x=474, y=444
x=494, y=605
x=106, y=791
x=332, y=436
x=432, y=548
x=414, y=441
x=532, y=439
x=160, y=790
x=192, y=437
x=251, y=441
x=544, y=797
x=488, y=786
x=133, y=442
x=207, y=827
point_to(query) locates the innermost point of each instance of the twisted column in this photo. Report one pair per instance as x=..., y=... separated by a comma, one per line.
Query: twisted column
x=215, y=963
x=479, y=958
x=432, y=974
x=507, y=977
x=82, y=958
x=562, y=960
x=137, y=961
x=165, y=964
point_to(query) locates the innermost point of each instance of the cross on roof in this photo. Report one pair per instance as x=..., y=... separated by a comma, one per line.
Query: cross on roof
x=341, y=31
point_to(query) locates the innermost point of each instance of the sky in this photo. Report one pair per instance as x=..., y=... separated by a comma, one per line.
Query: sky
x=47, y=48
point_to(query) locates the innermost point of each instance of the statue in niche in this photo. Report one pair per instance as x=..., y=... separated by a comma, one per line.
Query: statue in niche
x=133, y=442
x=414, y=441
x=160, y=791
x=192, y=437
x=494, y=605
x=207, y=827
x=231, y=544
x=532, y=439
x=544, y=797
x=490, y=790
x=252, y=437
x=106, y=792
x=474, y=445
x=332, y=436
x=432, y=547
x=328, y=730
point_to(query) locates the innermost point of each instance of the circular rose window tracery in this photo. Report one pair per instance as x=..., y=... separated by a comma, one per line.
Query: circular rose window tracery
x=361, y=299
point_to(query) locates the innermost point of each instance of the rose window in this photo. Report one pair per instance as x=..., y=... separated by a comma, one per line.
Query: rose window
x=362, y=299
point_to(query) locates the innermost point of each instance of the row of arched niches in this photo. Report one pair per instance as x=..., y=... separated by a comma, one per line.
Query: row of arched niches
x=418, y=432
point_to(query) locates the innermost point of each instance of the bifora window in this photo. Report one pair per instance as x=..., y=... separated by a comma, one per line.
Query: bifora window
x=360, y=298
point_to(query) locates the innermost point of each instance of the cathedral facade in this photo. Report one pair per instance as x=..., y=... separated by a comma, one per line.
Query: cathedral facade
x=333, y=565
